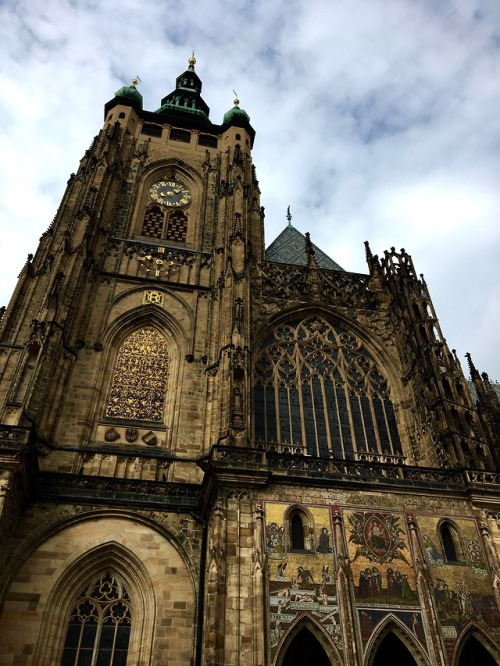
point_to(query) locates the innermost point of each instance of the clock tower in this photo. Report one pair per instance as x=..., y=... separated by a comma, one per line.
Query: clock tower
x=216, y=454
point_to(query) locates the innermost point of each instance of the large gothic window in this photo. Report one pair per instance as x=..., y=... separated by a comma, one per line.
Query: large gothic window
x=140, y=377
x=318, y=386
x=99, y=625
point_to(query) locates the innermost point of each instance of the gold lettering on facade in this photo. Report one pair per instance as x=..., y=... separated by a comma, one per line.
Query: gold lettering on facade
x=153, y=296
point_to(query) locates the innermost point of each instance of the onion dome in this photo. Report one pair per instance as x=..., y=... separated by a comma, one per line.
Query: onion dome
x=131, y=92
x=236, y=115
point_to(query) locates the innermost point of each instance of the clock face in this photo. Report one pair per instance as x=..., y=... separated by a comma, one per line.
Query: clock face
x=170, y=193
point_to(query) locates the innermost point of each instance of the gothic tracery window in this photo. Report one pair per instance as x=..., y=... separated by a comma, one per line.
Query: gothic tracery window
x=317, y=385
x=140, y=377
x=99, y=625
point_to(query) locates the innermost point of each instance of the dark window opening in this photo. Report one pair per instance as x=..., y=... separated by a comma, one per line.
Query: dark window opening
x=297, y=532
x=207, y=140
x=449, y=546
x=152, y=130
x=121, y=115
x=180, y=135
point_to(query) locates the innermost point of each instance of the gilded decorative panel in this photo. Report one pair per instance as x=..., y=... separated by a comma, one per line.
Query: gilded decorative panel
x=301, y=583
x=381, y=558
x=140, y=377
x=462, y=589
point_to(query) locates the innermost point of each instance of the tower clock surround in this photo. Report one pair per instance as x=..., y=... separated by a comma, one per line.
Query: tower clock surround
x=170, y=193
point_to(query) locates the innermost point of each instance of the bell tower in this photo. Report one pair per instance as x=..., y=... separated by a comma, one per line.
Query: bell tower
x=136, y=290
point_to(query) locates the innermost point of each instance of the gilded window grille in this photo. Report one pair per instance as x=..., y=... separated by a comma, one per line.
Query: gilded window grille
x=154, y=220
x=140, y=377
x=318, y=385
x=177, y=227
x=99, y=624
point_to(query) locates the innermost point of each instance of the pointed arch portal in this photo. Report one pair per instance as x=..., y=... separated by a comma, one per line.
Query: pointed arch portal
x=304, y=650
x=474, y=652
x=393, y=651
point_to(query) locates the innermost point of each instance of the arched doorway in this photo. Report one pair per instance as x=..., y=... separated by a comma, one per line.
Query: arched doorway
x=304, y=650
x=393, y=651
x=474, y=652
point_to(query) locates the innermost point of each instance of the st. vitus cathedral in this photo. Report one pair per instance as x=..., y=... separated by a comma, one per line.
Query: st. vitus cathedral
x=213, y=454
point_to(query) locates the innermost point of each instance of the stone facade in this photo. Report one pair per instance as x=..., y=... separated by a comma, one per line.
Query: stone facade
x=211, y=458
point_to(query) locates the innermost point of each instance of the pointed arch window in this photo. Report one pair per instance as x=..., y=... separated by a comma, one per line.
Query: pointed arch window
x=318, y=385
x=140, y=377
x=451, y=543
x=154, y=221
x=296, y=532
x=177, y=227
x=99, y=625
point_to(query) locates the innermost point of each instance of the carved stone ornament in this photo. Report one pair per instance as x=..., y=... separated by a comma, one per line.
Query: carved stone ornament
x=140, y=377
x=150, y=438
x=111, y=435
x=131, y=434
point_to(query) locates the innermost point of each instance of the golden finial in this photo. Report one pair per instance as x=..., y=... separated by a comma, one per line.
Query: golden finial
x=192, y=61
x=236, y=100
x=136, y=80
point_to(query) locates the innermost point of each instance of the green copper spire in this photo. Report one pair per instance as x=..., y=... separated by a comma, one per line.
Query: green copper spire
x=186, y=98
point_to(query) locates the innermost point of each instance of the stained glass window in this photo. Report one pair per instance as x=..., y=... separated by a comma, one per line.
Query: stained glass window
x=319, y=386
x=99, y=625
x=140, y=377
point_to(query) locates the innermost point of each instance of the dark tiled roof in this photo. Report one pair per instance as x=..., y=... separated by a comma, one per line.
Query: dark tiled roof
x=290, y=248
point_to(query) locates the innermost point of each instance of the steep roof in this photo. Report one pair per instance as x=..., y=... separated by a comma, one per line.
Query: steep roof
x=290, y=248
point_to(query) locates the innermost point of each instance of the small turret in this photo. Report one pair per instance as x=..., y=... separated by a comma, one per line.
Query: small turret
x=131, y=92
x=126, y=96
x=236, y=116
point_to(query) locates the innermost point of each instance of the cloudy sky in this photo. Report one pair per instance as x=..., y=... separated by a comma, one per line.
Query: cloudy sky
x=376, y=120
